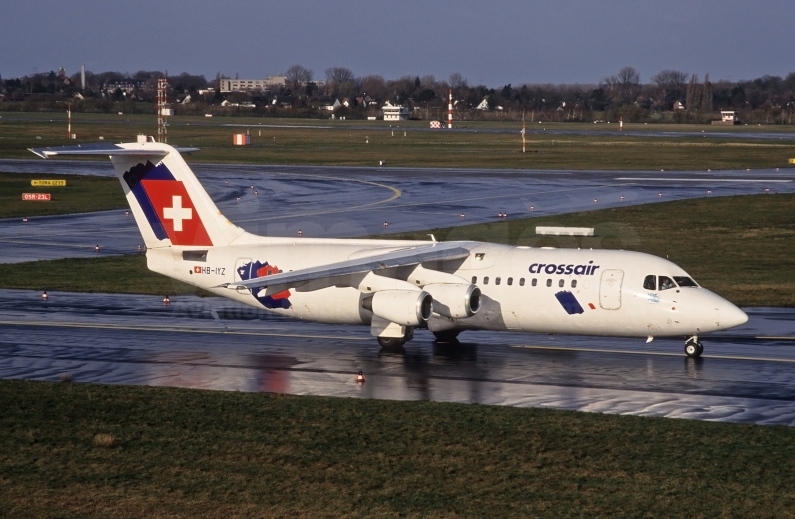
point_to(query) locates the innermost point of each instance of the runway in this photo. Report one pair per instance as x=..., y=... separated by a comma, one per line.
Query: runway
x=746, y=375
x=353, y=202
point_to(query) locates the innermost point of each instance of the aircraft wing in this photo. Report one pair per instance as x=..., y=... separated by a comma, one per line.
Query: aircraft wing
x=400, y=258
x=101, y=149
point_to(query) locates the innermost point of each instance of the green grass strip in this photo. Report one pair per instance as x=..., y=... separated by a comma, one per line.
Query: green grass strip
x=75, y=450
x=80, y=195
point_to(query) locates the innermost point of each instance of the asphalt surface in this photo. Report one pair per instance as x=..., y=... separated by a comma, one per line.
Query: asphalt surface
x=746, y=375
x=353, y=202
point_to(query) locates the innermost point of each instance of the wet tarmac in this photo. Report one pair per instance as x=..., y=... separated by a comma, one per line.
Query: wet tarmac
x=746, y=375
x=352, y=202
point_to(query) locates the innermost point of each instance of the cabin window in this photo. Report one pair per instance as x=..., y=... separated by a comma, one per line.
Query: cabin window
x=549, y=282
x=561, y=283
x=666, y=283
x=479, y=256
x=573, y=283
x=485, y=280
x=497, y=280
x=510, y=281
x=534, y=282
x=684, y=281
x=650, y=283
x=521, y=282
x=474, y=280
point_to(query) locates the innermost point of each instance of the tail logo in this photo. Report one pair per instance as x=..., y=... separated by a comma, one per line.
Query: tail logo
x=167, y=205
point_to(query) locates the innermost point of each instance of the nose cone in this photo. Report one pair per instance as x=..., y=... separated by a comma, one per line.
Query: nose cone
x=731, y=316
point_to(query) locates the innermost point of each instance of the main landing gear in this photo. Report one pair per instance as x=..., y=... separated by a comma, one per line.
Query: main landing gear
x=394, y=343
x=693, y=348
x=391, y=343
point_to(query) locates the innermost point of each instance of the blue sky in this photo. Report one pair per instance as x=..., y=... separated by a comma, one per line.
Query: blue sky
x=494, y=43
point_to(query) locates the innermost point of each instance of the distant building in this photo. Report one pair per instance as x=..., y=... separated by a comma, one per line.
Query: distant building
x=395, y=112
x=250, y=85
x=484, y=105
x=678, y=106
x=332, y=106
x=727, y=118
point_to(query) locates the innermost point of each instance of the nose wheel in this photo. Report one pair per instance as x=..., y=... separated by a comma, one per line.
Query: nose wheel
x=693, y=348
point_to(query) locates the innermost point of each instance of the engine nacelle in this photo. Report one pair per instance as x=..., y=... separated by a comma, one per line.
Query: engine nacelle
x=404, y=307
x=454, y=300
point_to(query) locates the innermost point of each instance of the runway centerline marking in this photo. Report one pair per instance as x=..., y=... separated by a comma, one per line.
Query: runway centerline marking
x=653, y=353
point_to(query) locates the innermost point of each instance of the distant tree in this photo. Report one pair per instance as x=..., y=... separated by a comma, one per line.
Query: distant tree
x=671, y=85
x=457, y=81
x=375, y=87
x=297, y=75
x=339, y=75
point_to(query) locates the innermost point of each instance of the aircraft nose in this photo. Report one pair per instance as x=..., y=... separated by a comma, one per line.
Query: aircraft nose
x=731, y=316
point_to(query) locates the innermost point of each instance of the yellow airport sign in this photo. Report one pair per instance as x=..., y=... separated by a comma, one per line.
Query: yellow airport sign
x=48, y=183
x=792, y=161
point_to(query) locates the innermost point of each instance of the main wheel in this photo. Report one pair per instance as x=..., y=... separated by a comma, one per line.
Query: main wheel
x=447, y=336
x=693, y=349
x=391, y=342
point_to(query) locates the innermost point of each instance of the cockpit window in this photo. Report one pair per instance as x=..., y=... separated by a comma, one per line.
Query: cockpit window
x=684, y=281
x=666, y=283
x=650, y=283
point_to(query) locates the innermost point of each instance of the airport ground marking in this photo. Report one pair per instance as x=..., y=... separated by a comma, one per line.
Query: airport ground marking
x=396, y=193
x=652, y=353
x=176, y=330
x=709, y=179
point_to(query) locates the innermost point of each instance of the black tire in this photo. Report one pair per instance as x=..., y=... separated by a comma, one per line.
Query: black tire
x=391, y=342
x=447, y=336
x=693, y=349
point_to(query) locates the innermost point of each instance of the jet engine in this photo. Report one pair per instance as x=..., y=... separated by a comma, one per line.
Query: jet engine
x=404, y=307
x=454, y=300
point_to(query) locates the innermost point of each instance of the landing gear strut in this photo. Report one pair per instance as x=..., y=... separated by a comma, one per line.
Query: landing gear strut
x=693, y=348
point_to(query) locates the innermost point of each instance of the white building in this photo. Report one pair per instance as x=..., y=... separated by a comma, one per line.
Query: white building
x=729, y=117
x=248, y=85
x=395, y=112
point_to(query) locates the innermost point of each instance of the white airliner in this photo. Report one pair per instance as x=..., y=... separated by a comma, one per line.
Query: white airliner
x=396, y=286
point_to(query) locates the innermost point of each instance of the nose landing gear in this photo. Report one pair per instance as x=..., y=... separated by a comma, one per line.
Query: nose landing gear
x=693, y=348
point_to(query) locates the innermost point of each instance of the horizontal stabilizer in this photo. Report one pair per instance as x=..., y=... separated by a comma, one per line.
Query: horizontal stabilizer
x=401, y=258
x=103, y=149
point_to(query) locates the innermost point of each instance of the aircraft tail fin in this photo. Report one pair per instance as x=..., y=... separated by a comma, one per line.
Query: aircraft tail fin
x=169, y=204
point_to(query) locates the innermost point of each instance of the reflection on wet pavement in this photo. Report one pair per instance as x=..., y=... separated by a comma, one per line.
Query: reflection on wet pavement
x=746, y=375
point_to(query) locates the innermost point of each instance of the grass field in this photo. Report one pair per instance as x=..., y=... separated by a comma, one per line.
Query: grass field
x=78, y=450
x=81, y=194
x=345, y=143
x=740, y=247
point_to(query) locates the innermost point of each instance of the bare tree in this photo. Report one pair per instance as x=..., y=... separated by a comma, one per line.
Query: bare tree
x=297, y=75
x=339, y=75
x=671, y=85
x=457, y=81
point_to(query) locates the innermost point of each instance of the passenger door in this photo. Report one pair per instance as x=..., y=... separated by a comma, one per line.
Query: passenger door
x=610, y=289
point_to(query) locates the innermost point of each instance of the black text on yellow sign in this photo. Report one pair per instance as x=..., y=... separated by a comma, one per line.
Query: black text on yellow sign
x=48, y=183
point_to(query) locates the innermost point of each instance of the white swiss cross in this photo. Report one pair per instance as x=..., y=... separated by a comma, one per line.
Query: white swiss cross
x=177, y=213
